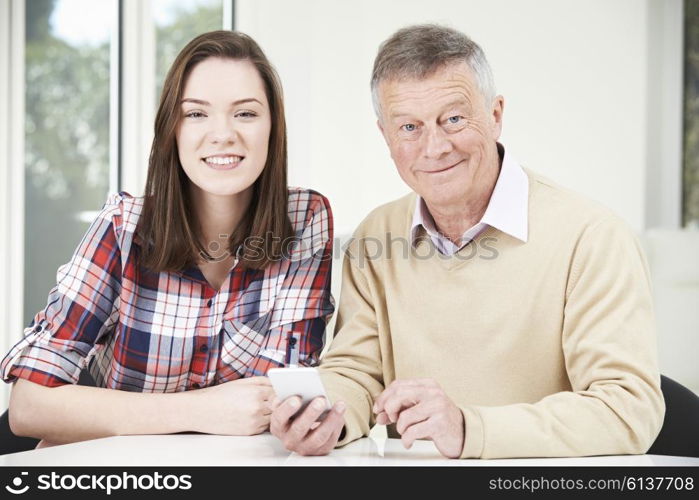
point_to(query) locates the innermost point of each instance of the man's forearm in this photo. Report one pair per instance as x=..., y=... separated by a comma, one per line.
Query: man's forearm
x=605, y=420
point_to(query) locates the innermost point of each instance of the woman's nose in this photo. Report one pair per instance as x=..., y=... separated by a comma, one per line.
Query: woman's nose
x=222, y=131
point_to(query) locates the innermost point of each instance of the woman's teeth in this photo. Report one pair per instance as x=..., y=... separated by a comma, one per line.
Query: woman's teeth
x=223, y=160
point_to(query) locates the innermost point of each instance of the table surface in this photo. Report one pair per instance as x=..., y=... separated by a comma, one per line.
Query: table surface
x=265, y=449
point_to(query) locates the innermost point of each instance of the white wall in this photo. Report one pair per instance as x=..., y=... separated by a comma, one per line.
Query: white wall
x=672, y=256
x=574, y=75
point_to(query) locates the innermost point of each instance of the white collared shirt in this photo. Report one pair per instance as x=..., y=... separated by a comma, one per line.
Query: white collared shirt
x=507, y=210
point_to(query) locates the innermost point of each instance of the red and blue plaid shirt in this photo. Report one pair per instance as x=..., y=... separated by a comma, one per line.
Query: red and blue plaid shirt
x=144, y=331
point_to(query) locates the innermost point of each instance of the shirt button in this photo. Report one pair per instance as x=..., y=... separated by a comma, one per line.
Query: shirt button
x=203, y=348
x=208, y=303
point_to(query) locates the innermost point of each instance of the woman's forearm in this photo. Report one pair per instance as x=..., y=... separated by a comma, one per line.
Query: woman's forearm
x=76, y=413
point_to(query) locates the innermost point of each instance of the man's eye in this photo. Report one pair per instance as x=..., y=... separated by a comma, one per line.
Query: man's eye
x=409, y=127
x=455, y=119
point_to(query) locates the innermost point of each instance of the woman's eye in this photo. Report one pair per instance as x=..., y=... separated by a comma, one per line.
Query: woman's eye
x=247, y=114
x=194, y=114
x=409, y=127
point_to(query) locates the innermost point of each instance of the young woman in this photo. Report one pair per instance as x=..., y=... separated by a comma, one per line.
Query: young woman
x=179, y=302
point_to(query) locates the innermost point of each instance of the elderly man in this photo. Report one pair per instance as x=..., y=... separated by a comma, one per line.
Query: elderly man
x=518, y=324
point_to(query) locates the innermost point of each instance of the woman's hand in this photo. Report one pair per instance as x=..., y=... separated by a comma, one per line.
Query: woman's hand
x=239, y=408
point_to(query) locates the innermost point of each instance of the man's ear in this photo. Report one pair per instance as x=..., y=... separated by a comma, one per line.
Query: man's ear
x=497, y=111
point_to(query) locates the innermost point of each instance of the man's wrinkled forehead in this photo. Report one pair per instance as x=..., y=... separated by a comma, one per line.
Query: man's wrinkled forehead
x=451, y=83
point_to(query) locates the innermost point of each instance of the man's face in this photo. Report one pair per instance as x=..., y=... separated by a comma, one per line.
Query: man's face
x=441, y=133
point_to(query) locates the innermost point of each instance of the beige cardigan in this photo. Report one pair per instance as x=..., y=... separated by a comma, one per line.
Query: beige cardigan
x=548, y=347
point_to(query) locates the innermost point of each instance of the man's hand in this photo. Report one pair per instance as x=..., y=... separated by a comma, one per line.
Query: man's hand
x=239, y=408
x=302, y=433
x=421, y=410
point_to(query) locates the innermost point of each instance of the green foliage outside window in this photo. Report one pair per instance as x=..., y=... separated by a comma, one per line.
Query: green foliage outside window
x=66, y=147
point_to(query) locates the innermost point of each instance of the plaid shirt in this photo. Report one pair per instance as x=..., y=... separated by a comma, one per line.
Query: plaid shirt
x=166, y=332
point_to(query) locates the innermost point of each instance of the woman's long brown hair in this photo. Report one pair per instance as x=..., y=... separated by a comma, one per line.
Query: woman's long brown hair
x=168, y=230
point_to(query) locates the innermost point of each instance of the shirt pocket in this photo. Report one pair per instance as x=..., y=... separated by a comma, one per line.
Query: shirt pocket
x=242, y=342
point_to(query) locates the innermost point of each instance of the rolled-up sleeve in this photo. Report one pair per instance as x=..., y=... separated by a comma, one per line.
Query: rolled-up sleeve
x=80, y=308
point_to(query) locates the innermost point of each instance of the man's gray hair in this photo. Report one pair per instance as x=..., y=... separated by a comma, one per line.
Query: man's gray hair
x=417, y=51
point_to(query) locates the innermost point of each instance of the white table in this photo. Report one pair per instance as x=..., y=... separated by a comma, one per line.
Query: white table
x=265, y=449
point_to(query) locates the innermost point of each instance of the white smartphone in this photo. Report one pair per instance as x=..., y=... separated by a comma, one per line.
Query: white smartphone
x=303, y=382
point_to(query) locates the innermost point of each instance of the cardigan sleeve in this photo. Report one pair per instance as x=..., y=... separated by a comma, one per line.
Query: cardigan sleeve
x=608, y=340
x=351, y=370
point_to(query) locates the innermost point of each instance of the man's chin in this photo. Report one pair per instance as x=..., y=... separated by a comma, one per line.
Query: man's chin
x=443, y=196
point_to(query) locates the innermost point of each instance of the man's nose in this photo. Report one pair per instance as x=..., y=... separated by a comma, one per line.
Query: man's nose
x=437, y=142
x=222, y=130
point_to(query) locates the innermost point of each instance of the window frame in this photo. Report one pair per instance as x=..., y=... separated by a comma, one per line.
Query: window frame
x=12, y=123
x=664, y=127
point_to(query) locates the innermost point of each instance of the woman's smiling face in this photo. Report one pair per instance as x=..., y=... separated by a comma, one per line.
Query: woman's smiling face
x=223, y=134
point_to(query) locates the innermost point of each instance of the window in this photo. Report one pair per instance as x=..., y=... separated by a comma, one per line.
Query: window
x=176, y=23
x=72, y=73
x=72, y=76
x=67, y=130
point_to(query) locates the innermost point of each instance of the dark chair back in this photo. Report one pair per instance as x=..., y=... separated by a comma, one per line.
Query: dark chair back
x=680, y=432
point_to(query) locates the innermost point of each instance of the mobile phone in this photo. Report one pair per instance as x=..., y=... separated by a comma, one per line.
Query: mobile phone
x=303, y=382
